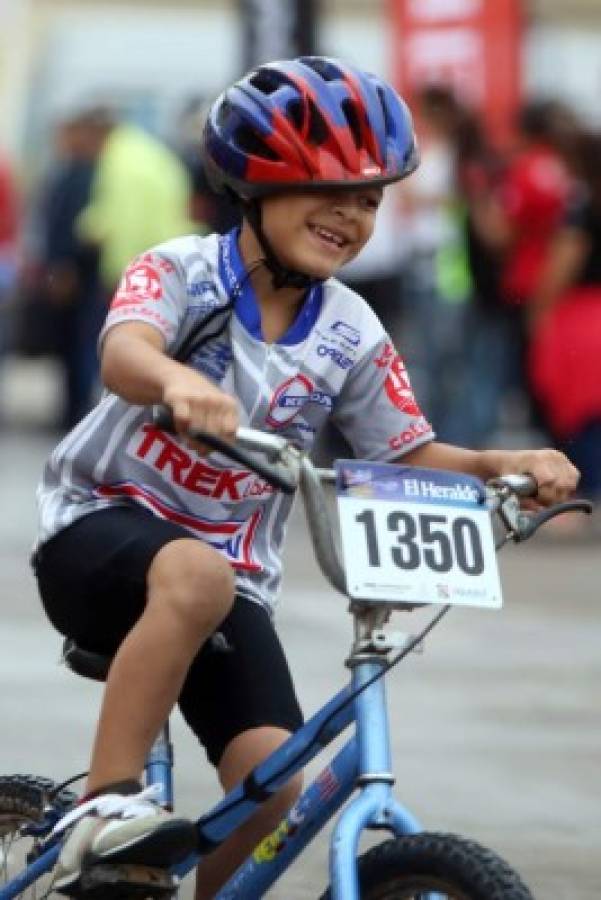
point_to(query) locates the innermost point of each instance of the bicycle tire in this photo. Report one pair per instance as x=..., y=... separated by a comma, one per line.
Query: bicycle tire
x=408, y=867
x=27, y=800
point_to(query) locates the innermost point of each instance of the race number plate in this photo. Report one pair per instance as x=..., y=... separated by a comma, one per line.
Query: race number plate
x=414, y=535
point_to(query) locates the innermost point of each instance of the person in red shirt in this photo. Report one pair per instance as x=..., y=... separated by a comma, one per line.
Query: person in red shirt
x=9, y=227
x=565, y=325
x=533, y=198
x=519, y=219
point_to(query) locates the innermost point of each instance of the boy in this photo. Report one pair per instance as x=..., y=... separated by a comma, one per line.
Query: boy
x=147, y=547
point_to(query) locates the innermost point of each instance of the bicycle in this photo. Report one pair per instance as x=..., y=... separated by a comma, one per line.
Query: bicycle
x=411, y=864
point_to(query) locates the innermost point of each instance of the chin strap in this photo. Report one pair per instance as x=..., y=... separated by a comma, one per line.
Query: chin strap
x=281, y=276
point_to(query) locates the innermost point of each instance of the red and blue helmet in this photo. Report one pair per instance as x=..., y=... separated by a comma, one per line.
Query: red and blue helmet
x=310, y=122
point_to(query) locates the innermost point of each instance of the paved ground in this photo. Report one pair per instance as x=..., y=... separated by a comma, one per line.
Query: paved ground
x=496, y=728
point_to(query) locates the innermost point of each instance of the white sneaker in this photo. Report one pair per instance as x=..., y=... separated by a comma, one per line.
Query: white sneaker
x=113, y=828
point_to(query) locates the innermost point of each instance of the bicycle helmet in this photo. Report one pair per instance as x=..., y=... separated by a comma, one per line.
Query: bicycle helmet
x=311, y=122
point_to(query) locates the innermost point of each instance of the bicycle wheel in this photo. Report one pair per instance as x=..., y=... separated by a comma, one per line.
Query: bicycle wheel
x=27, y=802
x=411, y=867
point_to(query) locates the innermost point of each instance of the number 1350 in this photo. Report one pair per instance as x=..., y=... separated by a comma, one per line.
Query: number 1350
x=426, y=537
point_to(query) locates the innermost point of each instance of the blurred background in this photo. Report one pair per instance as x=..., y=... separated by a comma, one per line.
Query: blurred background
x=486, y=269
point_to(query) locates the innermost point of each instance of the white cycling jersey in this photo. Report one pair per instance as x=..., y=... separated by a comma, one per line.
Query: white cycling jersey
x=334, y=361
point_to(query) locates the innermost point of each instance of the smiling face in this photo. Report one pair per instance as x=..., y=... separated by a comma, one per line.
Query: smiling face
x=318, y=232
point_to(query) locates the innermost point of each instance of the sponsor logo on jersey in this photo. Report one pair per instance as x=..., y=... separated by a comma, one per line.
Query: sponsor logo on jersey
x=201, y=289
x=385, y=358
x=290, y=397
x=397, y=385
x=337, y=356
x=213, y=359
x=141, y=282
x=182, y=467
x=204, y=296
x=234, y=538
x=346, y=332
x=159, y=262
x=410, y=434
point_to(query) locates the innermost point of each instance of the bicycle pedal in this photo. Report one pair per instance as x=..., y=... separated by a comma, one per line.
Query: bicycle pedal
x=124, y=882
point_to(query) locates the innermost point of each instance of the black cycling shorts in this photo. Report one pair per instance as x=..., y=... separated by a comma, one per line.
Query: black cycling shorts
x=92, y=581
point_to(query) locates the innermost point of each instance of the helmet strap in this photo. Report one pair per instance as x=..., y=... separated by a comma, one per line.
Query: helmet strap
x=281, y=276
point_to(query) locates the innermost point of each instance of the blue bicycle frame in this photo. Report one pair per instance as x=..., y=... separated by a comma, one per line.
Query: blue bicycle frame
x=364, y=763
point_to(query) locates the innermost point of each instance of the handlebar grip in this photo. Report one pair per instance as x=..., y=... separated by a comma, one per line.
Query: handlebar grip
x=278, y=478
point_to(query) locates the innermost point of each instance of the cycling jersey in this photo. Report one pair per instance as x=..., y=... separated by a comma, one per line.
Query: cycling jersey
x=334, y=361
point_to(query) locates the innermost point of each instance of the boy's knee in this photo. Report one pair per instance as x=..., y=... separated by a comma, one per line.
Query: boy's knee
x=195, y=580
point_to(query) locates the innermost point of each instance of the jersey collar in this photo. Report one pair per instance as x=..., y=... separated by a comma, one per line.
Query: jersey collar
x=234, y=276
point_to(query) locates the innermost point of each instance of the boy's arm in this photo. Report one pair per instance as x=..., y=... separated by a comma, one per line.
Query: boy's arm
x=135, y=366
x=556, y=477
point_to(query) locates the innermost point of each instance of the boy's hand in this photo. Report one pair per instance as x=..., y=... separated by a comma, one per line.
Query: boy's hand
x=197, y=403
x=556, y=477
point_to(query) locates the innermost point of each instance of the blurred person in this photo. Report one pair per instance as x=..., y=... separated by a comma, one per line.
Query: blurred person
x=9, y=234
x=437, y=283
x=489, y=325
x=219, y=329
x=67, y=268
x=211, y=211
x=565, y=324
x=140, y=195
x=519, y=219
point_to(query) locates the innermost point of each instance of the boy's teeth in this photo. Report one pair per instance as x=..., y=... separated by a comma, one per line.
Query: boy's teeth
x=324, y=233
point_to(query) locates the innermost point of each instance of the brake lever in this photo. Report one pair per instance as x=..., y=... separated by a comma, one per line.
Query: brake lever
x=529, y=523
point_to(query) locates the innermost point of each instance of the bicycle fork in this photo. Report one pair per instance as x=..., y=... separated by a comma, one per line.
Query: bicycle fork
x=375, y=806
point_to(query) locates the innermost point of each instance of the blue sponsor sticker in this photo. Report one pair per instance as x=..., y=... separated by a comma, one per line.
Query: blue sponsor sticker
x=384, y=481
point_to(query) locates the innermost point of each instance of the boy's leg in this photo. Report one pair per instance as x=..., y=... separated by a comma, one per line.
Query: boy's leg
x=190, y=591
x=240, y=701
x=123, y=581
x=243, y=753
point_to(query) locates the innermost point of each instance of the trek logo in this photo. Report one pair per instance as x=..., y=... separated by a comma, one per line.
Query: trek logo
x=346, y=332
x=337, y=356
x=157, y=450
x=290, y=397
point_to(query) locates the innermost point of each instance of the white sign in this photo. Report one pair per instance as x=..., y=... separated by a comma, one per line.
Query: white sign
x=416, y=536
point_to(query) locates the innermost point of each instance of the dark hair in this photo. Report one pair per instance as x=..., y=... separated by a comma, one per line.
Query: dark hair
x=586, y=166
x=550, y=120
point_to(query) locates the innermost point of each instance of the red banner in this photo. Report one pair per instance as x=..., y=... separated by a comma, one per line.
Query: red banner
x=470, y=46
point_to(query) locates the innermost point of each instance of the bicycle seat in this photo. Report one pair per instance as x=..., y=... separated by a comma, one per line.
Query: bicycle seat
x=85, y=662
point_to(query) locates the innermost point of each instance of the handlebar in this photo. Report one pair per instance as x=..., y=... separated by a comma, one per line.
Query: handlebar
x=285, y=467
x=279, y=476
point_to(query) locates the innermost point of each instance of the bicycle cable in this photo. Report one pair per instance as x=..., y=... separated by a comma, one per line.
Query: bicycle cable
x=388, y=665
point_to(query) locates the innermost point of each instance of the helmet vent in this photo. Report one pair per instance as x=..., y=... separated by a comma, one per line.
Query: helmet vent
x=250, y=142
x=317, y=129
x=266, y=80
x=349, y=109
x=323, y=67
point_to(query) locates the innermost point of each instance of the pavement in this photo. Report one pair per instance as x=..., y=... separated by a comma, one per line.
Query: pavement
x=496, y=728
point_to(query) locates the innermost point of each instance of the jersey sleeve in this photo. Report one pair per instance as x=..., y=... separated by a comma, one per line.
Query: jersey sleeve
x=376, y=409
x=152, y=290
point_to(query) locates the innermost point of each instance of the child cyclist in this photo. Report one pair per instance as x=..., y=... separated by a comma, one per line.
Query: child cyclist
x=148, y=546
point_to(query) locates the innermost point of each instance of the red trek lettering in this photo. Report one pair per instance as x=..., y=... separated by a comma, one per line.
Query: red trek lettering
x=198, y=477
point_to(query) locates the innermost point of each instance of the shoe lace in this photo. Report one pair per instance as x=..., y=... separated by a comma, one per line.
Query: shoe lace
x=126, y=806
